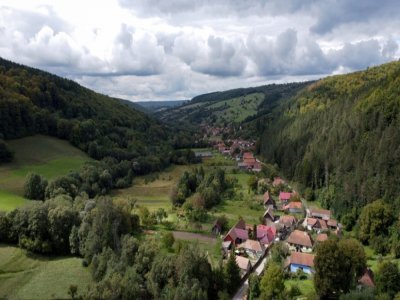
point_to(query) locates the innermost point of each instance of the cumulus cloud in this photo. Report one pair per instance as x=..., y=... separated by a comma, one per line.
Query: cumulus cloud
x=136, y=54
x=155, y=49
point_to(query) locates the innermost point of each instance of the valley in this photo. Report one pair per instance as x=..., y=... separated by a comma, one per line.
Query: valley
x=247, y=176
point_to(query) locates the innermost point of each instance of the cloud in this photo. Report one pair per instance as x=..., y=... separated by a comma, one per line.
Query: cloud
x=136, y=54
x=155, y=49
x=334, y=13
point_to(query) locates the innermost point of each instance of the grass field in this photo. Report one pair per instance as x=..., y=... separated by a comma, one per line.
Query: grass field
x=153, y=191
x=306, y=286
x=44, y=155
x=28, y=276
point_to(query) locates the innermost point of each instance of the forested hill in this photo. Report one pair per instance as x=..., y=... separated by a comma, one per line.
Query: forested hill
x=231, y=107
x=341, y=136
x=33, y=101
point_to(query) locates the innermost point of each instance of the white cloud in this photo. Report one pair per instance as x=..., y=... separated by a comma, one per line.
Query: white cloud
x=154, y=49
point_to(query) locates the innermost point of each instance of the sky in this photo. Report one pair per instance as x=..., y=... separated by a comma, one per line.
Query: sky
x=177, y=49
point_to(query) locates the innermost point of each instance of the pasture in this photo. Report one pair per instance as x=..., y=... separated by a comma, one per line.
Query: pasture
x=27, y=276
x=47, y=156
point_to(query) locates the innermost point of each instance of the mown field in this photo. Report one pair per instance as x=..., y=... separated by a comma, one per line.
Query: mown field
x=28, y=276
x=44, y=155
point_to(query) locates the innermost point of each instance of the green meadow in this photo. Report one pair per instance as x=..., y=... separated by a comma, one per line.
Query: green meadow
x=47, y=156
x=28, y=276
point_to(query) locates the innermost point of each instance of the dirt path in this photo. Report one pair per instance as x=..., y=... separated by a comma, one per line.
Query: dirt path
x=182, y=235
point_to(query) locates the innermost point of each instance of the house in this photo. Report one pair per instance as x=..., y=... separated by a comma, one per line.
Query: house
x=294, y=207
x=332, y=224
x=278, y=181
x=288, y=221
x=268, y=216
x=217, y=228
x=323, y=214
x=301, y=261
x=367, y=279
x=266, y=234
x=244, y=265
x=237, y=234
x=284, y=197
x=315, y=224
x=300, y=241
x=268, y=201
x=253, y=248
x=321, y=237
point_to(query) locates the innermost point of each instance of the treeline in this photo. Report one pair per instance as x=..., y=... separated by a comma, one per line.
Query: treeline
x=340, y=136
x=105, y=233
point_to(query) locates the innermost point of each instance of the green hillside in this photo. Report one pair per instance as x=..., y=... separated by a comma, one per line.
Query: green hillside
x=25, y=275
x=231, y=107
x=47, y=156
x=341, y=136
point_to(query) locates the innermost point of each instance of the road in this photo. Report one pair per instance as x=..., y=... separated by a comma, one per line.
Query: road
x=183, y=235
x=242, y=292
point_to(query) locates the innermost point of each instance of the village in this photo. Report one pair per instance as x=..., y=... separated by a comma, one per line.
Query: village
x=287, y=219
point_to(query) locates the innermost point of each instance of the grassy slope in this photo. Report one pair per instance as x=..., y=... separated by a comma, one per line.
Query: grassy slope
x=27, y=276
x=233, y=110
x=44, y=155
x=153, y=193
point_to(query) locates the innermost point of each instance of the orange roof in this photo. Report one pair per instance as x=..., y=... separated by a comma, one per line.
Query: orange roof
x=287, y=220
x=247, y=155
x=322, y=237
x=294, y=205
x=301, y=238
x=242, y=262
x=252, y=245
x=303, y=259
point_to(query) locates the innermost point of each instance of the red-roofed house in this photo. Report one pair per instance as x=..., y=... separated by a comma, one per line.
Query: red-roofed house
x=287, y=221
x=244, y=265
x=301, y=261
x=315, y=224
x=268, y=201
x=284, y=197
x=323, y=214
x=321, y=237
x=237, y=234
x=253, y=248
x=294, y=207
x=300, y=241
x=266, y=234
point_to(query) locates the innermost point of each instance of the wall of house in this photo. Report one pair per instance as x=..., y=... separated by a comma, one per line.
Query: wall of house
x=295, y=267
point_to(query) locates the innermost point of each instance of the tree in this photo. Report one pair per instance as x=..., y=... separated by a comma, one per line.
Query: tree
x=252, y=183
x=147, y=218
x=375, y=219
x=35, y=186
x=6, y=155
x=232, y=274
x=161, y=214
x=272, y=283
x=168, y=240
x=387, y=278
x=253, y=292
x=279, y=252
x=333, y=259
